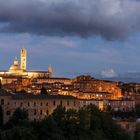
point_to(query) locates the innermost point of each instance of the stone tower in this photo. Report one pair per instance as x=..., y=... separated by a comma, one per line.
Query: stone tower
x=23, y=58
x=50, y=71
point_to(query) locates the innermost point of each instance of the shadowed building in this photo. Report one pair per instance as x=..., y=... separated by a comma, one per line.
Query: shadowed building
x=37, y=106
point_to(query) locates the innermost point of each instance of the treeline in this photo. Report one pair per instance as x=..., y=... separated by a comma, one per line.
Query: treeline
x=89, y=123
x=129, y=114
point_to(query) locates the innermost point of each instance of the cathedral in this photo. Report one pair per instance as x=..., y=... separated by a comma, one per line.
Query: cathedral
x=20, y=70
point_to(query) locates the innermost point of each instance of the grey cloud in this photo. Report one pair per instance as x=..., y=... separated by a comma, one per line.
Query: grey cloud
x=111, y=19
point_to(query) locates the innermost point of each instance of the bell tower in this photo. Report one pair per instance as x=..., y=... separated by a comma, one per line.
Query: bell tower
x=23, y=58
x=50, y=70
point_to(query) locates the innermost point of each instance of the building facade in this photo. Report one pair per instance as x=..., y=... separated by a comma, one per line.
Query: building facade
x=122, y=105
x=37, y=106
x=20, y=70
x=89, y=84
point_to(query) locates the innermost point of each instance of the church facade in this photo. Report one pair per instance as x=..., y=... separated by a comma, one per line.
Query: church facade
x=20, y=70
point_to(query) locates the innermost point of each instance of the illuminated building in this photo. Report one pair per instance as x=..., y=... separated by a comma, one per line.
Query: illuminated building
x=88, y=84
x=86, y=102
x=23, y=59
x=17, y=70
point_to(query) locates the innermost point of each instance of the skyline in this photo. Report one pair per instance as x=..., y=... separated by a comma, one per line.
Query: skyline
x=71, y=47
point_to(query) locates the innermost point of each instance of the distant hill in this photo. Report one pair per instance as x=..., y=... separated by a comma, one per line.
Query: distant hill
x=125, y=77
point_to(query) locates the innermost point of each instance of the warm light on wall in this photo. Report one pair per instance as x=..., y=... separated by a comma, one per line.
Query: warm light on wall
x=0, y=78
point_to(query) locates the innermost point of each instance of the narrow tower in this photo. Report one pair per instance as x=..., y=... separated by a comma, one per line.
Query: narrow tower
x=16, y=61
x=23, y=58
x=50, y=71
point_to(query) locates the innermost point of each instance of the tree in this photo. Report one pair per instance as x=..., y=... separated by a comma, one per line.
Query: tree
x=22, y=91
x=1, y=116
x=18, y=117
x=18, y=133
x=84, y=118
x=71, y=122
x=85, y=124
x=59, y=115
x=137, y=132
x=137, y=109
x=44, y=91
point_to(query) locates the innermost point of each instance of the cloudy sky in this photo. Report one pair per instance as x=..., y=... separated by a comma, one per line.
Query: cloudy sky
x=75, y=36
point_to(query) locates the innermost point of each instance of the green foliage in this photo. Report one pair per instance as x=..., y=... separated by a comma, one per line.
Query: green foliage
x=1, y=117
x=124, y=114
x=137, y=132
x=89, y=123
x=18, y=117
x=17, y=133
x=44, y=91
x=137, y=109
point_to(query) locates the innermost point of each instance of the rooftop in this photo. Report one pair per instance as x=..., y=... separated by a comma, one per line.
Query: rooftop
x=25, y=96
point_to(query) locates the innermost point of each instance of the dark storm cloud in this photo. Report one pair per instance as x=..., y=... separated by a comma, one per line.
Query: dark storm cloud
x=112, y=19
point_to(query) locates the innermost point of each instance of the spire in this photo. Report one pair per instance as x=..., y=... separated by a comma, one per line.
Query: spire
x=16, y=61
x=50, y=70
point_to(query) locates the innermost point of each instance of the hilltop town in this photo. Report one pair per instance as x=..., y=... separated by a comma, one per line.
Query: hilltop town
x=39, y=92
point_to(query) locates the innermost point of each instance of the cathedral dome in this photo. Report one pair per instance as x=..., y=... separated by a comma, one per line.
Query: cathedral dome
x=15, y=66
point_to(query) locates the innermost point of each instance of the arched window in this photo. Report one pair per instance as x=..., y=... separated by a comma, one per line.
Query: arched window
x=61, y=103
x=41, y=112
x=47, y=112
x=54, y=103
x=21, y=104
x=35, y=112
x=68, y=103
x=2, y=101
x=8, y=113
x=74, y=103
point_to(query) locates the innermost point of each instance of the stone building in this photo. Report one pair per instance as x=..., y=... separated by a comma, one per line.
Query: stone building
x=37, y=106
x=20, y=70
x=89, y=84
x=122, y=105
x=87, y=95
x=97, y=103
x=35, y=84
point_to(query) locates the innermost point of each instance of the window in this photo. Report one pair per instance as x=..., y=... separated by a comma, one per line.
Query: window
x=35, y=112
x=54, y=103
x=41, y=112
x=21, y=104
x=34, y=103
x=41, y=104
x=2, y=101
x=127, y=126
x=74, y=103
x=47, y=112
x=68, y=103
x=47, y=104
x=8, y=113
x=61, y=102
x=28, y=104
